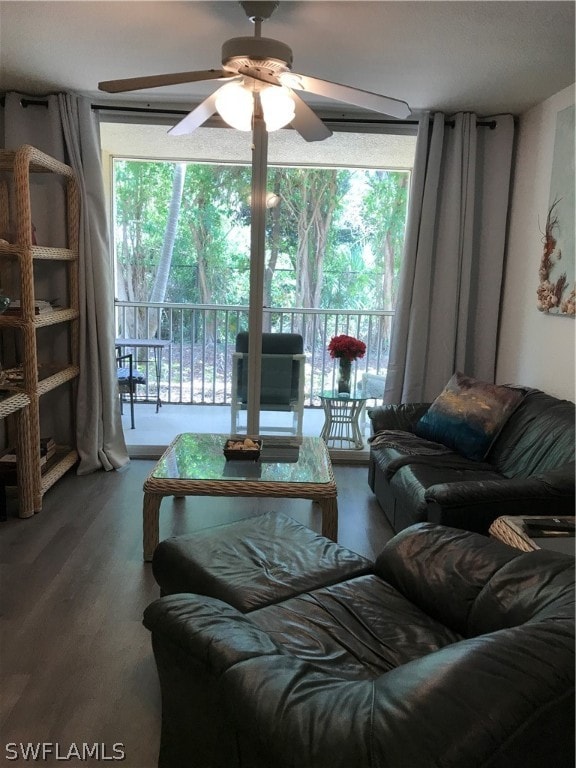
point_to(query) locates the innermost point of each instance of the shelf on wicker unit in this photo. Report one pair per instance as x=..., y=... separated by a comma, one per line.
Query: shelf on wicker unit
x=53, y=472
x=38, y=252
x=11, y=401
x=60, y=315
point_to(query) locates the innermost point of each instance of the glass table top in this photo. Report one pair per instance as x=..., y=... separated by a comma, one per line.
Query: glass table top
x=196, y=456
x=354, y=396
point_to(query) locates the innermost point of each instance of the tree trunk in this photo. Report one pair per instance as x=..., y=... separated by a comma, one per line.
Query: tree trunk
x=160, y=283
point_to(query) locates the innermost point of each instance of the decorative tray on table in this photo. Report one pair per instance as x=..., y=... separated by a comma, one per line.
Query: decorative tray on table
x=242, y=449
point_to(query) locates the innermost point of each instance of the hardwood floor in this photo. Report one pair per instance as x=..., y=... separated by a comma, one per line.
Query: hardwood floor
x=76, y=664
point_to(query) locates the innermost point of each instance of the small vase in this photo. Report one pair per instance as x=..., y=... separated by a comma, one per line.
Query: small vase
x=344, y=376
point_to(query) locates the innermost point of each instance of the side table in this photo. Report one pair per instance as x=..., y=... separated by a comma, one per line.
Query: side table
x=511, y=530
x=342, y=416
x=157, y=346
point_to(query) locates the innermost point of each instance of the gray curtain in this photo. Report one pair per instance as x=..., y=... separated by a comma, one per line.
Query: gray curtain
x=66, y=128
x=450, y=284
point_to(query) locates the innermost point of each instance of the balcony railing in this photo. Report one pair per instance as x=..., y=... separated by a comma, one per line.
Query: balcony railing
x=197, y=367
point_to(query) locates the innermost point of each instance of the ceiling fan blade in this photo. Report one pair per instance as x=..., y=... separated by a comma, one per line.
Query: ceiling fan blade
x=155, y=81
x=194, y=119
x=307, y=123
x=355, y=96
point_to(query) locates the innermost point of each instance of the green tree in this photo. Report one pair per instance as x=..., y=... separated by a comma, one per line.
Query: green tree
x=158, y=292
x=142, y=191
x=334, y=240
x=211, y=212
x=384, y=214
x=310, y=199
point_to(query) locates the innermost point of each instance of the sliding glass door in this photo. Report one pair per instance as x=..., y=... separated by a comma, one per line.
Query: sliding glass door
x=197, y=261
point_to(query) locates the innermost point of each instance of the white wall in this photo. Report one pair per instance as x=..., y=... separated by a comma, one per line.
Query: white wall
x=535, y=349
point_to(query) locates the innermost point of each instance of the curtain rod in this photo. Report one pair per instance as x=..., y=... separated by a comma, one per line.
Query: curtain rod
x=349, y=120
x=152, y=111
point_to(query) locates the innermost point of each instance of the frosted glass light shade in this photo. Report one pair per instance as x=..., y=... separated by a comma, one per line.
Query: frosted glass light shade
x=235, y=105
x=278, y=107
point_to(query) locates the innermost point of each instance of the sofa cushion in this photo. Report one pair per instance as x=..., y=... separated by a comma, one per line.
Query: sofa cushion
x=468, y=415
x=512, y=596
x=358, y=629
x=390, y=453
x=538, y=437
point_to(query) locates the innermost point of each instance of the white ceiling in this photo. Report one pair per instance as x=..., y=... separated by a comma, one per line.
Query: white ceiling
x=488, y=57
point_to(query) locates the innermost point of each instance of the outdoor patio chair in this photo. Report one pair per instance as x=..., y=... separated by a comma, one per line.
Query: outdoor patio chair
x=282, y=379
x=128, y=377
x=372, y=387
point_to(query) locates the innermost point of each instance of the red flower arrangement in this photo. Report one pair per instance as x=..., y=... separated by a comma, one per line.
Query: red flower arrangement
x=346, y=347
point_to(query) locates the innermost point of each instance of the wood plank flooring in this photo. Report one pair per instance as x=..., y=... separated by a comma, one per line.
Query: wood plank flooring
x=76, y=664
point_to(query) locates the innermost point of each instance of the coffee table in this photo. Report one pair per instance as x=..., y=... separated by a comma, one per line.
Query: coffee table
x=194, y=465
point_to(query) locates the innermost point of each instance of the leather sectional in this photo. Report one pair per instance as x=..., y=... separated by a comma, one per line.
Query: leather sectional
x=529, y=469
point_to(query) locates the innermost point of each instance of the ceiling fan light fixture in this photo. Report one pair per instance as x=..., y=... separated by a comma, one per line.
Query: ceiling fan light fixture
x=290, y=80
x=235, y=104
x=277, y=106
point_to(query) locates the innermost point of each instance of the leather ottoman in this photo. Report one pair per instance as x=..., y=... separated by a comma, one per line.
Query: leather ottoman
x=255, y=562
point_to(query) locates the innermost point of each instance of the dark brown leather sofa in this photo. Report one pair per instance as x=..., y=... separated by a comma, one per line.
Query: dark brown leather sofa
x=528, y=471
x=456, y=652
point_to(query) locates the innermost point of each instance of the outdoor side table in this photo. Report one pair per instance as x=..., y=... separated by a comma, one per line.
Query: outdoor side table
x=157, y=346
x=342, y=419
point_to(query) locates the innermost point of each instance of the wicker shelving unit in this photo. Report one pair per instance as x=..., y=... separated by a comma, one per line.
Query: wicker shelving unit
x=14, y=407
x=19, y=261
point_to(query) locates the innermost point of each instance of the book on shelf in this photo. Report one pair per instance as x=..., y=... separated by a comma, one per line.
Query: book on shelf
x=9, y=459
x=40, y=307
x=47, y=446
x=12, y=377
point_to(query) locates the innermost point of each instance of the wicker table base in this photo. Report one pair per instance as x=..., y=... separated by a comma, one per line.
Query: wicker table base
x=276, y=484
x=510, y=530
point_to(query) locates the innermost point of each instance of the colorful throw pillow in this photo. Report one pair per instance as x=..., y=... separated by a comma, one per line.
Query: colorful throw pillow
x=468, y=415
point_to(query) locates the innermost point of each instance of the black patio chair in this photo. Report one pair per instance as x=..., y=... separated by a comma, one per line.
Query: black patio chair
x=128, y=379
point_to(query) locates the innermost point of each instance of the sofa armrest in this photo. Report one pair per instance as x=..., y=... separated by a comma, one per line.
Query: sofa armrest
x=193, y=622
x=402, y=416
x=476, y=504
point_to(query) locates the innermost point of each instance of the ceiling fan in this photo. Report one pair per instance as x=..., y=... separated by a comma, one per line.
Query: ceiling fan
x=260, y=81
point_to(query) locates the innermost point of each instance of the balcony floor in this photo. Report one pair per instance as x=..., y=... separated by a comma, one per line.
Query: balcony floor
x=154, y=431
